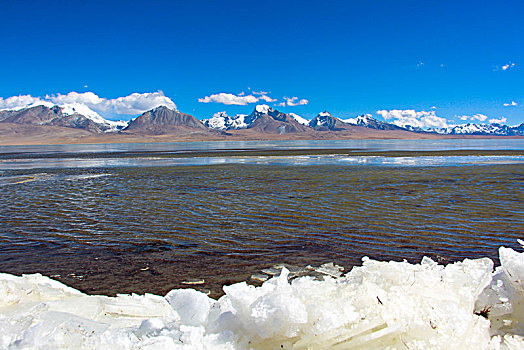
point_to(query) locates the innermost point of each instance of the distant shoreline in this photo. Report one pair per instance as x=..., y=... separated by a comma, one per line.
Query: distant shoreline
x=17, y=135
x=246, y=153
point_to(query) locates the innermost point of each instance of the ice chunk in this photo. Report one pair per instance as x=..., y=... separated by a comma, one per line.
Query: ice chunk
x=503, y=300
x=192, y=306
x=465, y=305
x=330, y=269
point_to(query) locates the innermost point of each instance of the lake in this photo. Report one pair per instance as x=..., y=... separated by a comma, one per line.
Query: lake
x=141, y=218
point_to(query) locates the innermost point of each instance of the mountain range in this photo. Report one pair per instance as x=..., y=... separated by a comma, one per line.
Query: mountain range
x=324, y=121
x=262, y=120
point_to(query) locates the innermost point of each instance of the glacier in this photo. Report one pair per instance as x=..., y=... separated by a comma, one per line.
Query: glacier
x=378, y=305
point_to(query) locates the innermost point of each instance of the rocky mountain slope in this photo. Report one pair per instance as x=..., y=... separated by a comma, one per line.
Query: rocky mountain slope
x=222, y=121
x=162, y=120
x=263, y=120
x=367, y=121
x=67, y=117
x=325, y=121
x=482, y=129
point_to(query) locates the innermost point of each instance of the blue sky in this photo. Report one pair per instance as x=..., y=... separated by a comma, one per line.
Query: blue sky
x=347, y=57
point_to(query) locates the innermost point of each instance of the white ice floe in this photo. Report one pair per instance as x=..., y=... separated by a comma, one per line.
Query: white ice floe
x=379, y=305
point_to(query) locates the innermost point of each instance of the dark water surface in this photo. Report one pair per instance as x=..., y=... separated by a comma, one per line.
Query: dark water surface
x=122, y=229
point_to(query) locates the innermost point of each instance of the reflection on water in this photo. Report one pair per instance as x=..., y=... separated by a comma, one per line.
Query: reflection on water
x=370, y=145
x=50, y=163
x=148, y=228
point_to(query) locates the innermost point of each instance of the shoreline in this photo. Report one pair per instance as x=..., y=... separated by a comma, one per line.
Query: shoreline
x=466, y=304
x=248, y=152
x=21, y=135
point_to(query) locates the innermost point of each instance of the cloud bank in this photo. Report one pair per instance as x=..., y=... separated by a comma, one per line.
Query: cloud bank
x=498, y=121
x=229, y=99
x=133, y=104
x=242, y=99
x=295, y=101
x=21, y=101
x=476, y=117
x=421, y=119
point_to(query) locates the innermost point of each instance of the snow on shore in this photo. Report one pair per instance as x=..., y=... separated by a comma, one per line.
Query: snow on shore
x=396, y=305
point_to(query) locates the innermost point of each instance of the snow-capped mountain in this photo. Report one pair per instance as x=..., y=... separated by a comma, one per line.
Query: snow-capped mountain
x=322, y=119
x=81, y=109
x=366, y=120
x=325, y=121
x=482, y=129
x=76, y=116
x=164, y=120
x=299, y=119
x=261, y=110
x=265, y=119
x=222, y=121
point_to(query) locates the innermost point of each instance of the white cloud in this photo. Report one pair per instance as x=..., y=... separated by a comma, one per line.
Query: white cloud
x=478, y=117
x=512, y=104
x=507, y=66
x=295, y=101
x=230, y=99
x=20, y=101
x=88, y=98
x=261, y=93
x=133, y=104
x=240, y=99
x=481, y=118
x=498, y=121
x=139, y=103
x=267, y=98
x=422, y=119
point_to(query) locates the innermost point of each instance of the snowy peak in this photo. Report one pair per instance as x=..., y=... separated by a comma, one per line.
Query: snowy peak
x=325, y=121
x=322, y=119
x=83, y=110
x=264, y=109
x=221, y=121
x=299, y=119
x=259, y=111
x=73, y=115
x=263, y=119
x=77, y=108
x=361, y=120
x=367, y=121
x=482, y=129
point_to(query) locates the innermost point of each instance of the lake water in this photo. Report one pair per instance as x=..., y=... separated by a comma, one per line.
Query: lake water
x=370, y=145
x=136, y=217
